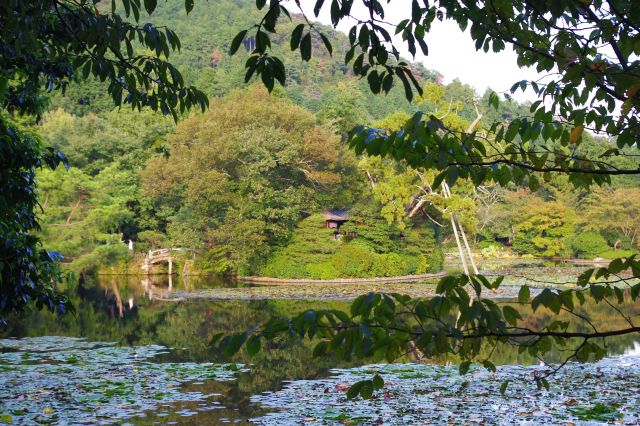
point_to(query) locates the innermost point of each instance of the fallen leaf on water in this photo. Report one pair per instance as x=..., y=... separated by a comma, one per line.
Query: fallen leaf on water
x=342, y=386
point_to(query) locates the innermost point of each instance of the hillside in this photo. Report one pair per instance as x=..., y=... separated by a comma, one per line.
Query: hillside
x=320, y=86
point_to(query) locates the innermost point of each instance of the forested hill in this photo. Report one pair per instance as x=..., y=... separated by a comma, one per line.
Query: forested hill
x=323, y=86
x=245, y=181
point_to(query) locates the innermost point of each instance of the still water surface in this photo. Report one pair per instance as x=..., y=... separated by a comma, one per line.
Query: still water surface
x=132, y=337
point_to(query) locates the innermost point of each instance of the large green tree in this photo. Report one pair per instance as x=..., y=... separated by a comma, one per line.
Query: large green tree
x=238, y=177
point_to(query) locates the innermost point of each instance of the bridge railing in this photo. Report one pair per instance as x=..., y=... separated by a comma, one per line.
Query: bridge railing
x=165, y=251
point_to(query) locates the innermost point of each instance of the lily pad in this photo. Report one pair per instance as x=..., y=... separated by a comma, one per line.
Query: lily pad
x=430, y=394
x=65, y=380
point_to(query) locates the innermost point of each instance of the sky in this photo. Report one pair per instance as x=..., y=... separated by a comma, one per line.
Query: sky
x=451, y=51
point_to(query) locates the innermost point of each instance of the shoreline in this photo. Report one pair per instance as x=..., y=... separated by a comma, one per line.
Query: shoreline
x=341, y=281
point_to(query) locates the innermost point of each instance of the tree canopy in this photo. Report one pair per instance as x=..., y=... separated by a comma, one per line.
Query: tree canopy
x=591, y=76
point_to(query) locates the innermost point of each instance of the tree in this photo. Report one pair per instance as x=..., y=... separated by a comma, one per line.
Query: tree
x=544, y=229
x=614, y=213
x=576, y=58
x=595, y=75
x=343, y=107
x=241, y=175
x=46, y=45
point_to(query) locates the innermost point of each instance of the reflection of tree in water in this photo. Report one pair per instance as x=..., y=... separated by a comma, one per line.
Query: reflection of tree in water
x=121, y=310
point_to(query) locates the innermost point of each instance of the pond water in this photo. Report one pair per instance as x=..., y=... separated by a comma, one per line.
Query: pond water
x=138, y=352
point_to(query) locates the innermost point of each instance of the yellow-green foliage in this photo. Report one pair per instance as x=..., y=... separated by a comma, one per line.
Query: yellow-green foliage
x=545, y=229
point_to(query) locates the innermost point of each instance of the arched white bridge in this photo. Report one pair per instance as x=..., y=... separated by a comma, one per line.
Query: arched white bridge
x=165, y=255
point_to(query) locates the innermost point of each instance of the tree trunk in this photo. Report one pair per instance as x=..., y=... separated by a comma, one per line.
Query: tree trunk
x=73, y=209
x=371, y=181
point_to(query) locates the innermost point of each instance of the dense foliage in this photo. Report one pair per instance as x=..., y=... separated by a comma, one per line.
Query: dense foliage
x=379, y=250
x=27, y=271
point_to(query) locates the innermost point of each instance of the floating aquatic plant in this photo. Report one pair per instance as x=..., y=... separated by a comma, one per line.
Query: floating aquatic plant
x=428, y=394
x=65, y=380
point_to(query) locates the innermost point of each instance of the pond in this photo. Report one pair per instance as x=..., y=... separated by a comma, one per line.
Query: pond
x=138, y=353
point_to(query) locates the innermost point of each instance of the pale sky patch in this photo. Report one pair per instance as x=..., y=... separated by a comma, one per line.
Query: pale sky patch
x=451, y=51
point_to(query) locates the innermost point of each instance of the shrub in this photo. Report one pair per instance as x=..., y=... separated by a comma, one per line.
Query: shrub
x=491, y=251
x=613, y=236
x=486, y=243
x=411, y=262
x=435, y=260
x=214, y=261
x=313, y=253
x=353, y=260
x=322, y=271
x=588, y=245
x=107, y=255
x=311, y=244
x=283, y=266
x=388, y=265
x=421, y=243
x=545, y=231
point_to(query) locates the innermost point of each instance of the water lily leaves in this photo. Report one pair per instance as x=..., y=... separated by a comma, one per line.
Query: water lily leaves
x=435, y=394
x=66, y=380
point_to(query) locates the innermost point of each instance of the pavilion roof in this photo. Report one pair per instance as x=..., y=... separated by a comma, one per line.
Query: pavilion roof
x=336, y=215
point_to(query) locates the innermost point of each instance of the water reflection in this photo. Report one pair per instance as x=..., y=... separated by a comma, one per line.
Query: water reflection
x=128, y=310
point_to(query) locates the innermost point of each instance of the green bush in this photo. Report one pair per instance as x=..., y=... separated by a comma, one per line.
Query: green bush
x=283, y=266
x=588, y=245
x=106, y=255
x=322, y=271
x=151, y=240
x=435, y=261
x=311, y=244
x=545, y=231
x=214, y=261
x=487, y=243
x=378, y=251
x=353, y=260
x=420, y=242
x=411, y=263
x=492, y=251
x=388, y=265
x=614, y=236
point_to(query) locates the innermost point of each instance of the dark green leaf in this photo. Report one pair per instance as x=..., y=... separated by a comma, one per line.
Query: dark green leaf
x=188, y=5
x=327, y=43
x=305, y=47
x=296, y=35
x=378, y=382
x=524, y=294
x=150, y=5
x=503, y=387
x=237, y=40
